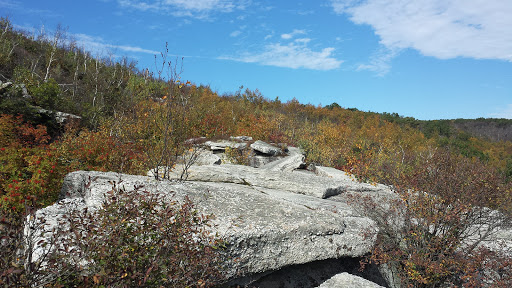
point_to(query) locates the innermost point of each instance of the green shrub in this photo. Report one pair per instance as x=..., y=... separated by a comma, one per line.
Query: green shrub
x=47, y=94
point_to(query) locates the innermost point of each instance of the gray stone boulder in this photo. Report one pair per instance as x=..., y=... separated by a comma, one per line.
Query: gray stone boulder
x=347, y=280
x=265, y=229
x=265, y=148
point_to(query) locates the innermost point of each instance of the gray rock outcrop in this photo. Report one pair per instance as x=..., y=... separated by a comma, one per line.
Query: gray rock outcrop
x=257, y=154
x=283, y=225
x=266, y=229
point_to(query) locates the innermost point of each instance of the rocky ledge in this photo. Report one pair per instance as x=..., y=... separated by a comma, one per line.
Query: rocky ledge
x=284, y=226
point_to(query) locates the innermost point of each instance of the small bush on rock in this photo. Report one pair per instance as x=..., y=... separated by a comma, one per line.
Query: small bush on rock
x=437, y=230
x=136, y=239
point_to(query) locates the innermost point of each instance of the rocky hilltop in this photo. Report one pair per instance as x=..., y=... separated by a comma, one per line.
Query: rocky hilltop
x=285, y=224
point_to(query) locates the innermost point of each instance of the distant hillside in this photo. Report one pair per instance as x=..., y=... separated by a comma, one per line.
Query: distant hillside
x=491, y=129
x=488, y=129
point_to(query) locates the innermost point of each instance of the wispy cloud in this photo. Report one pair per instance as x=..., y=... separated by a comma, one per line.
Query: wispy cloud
x=235, y=33
x=26, y=9
x=380, y=62
x=294, y=55
x=505, y=112
x=294, y=33
x=443, y=29
x=9, y=4
x=186, y=8
x=98, y=45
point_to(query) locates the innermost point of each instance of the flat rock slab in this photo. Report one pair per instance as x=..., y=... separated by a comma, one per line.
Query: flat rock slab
x=292, y=182
x=223, y=144
x=286, y=164
x=300, y=182
x=350, y=181
x=265, y=230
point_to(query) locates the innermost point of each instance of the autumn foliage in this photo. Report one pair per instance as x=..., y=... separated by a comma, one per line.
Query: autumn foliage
x=445, y=181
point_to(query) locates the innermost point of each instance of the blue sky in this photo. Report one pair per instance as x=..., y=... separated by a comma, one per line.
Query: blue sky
x=429, y=59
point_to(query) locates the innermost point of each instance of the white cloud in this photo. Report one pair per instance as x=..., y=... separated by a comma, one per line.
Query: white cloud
x=294, y=55
x=293, y=34
x=303, y=40
x=189, y=8
x=443, y=29
x=97, y=45
x=380, y=62
x=505, y=112
x=235, y=33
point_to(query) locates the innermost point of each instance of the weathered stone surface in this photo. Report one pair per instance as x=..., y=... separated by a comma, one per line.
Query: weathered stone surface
x=265, y=230
x=296, y=182
x=497, y=226
x=349, y=181
x=294, y=160
x=348, y=280
x=257, y=161
x=222, y=144
x=266, y=148
x=201, y=157
x=208, y=158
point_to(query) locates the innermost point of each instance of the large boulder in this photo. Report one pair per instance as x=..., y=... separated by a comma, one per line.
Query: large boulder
x=267, y=149
x=265, y=229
